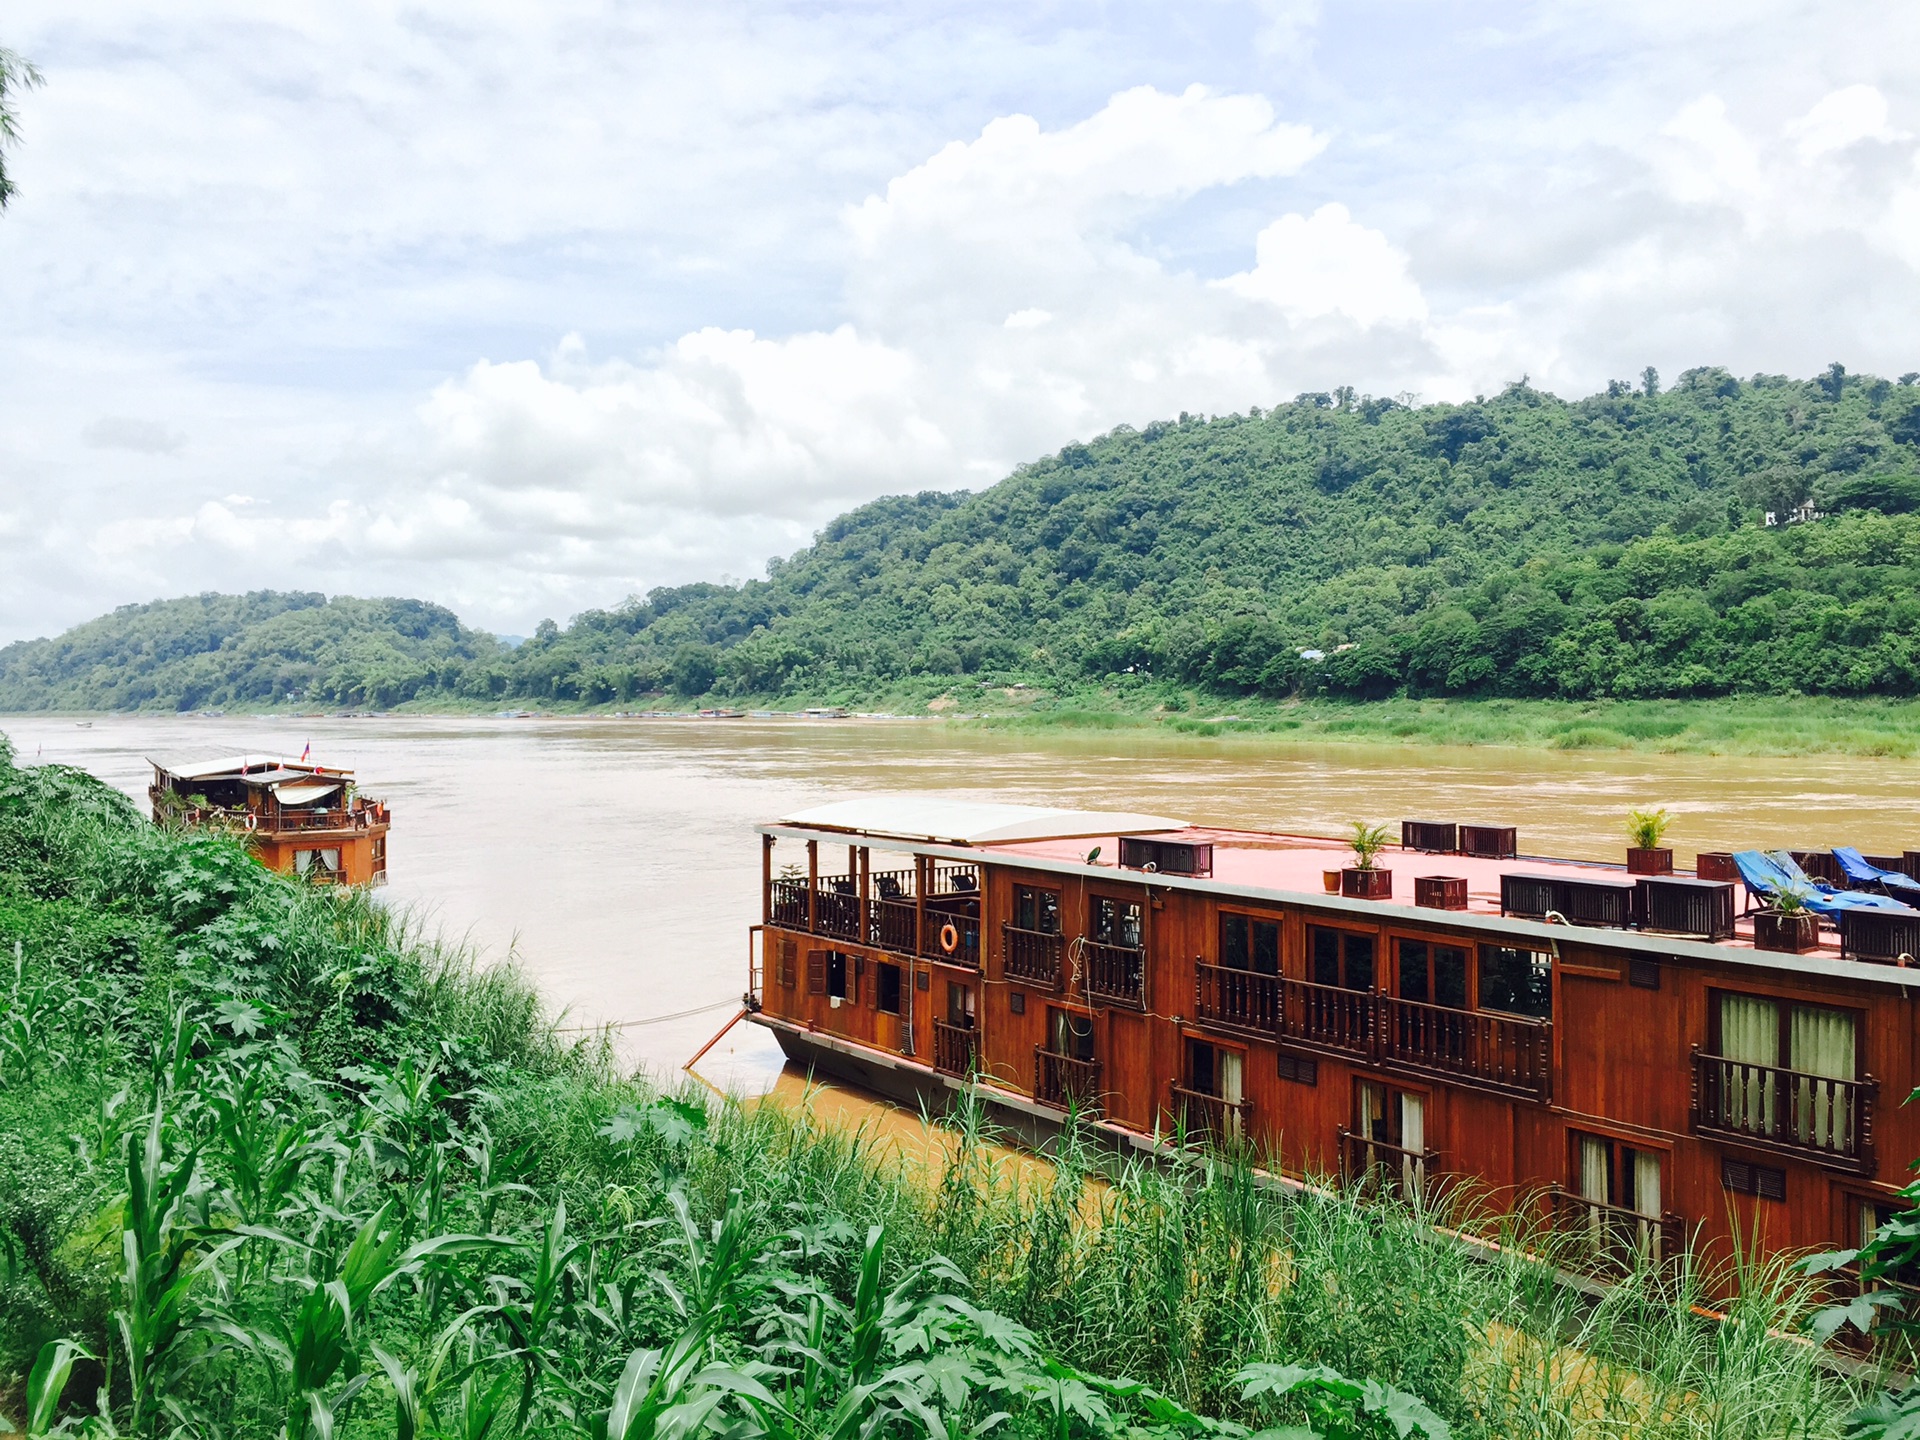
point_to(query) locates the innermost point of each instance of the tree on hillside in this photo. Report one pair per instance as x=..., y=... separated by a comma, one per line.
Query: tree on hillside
x=16, y=74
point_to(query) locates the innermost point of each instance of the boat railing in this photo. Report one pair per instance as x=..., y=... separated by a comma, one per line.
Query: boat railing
x=1379, y=1167
x=1819, y=1117
x=952, y=938
x=1063, y=1081
x=894, y=925
x=953, y=1048
x=1511, y=1052
x=1237, y=999
x=1215, y=1117
x=1114, y=974
x=1612, y=1239
x=359, y=817
x=1032, y=955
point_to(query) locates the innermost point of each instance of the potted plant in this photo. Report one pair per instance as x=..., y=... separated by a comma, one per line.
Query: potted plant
x=1647, y=856
x=1787, y=924
x=1362, y=880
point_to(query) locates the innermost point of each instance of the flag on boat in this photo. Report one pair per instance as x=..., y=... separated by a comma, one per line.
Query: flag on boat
x=307, y=753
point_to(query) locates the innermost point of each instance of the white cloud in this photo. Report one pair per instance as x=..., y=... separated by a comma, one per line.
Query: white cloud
x=1844, y=118
x=802, y=258
x=1327, y=264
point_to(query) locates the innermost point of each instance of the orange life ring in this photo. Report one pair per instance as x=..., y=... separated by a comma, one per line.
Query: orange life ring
x=252, y=820
x=949, y=938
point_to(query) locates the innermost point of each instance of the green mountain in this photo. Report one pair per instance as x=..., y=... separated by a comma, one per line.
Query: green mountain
x=1338, y=544
x=1521, y=545
x=208, y=651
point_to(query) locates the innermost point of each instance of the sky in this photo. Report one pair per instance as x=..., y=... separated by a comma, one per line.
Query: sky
x=525, y=309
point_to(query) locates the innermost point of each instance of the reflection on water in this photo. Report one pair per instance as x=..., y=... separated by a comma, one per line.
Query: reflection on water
x=616, y=856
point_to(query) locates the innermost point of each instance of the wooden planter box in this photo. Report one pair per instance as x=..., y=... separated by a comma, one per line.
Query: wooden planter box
x=1795, y=934
x=1440, y=892
x=1649, y=862
x=1715, y=865
x=1490, y=842
x=1358, y=884
x=1434, y=836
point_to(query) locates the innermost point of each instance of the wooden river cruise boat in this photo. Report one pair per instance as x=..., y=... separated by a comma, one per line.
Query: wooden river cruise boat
x=1610, y=1049
x=298, y=818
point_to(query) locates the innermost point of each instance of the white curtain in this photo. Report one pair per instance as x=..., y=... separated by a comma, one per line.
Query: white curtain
x=1750, y=1032
x=1413, y=1138
x=1227, y=1078
x=1646, y=1183
x=1593, y=1186
x=1821, y=1043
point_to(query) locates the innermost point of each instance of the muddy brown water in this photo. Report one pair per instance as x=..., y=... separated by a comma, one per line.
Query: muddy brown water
x=616, y=859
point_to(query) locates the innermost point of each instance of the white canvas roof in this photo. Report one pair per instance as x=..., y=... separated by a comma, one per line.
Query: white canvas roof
x=265, y=768
x=970, y=822
x=300, y=792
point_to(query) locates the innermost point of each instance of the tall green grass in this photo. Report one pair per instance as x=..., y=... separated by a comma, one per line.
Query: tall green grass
x=278, y=1163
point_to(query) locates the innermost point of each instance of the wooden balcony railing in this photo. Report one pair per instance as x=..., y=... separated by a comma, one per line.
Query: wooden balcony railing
x=1033, y=956
x=360, y=817
x=1816, y=1117
x=1509, y=1053
x=837, y=915
x=966, y=938
x=1376, y=1167
x=1062, y=1080
x=1114, y=974
x=893, y=925
x=1609, y=1239
x=953, y=1048
x=1217, y=1119
x=1237, y=999
x=790, y=904
x=1326, y=1016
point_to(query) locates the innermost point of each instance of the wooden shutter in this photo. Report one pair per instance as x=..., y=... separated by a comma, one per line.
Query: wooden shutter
x=870, y=973
x=784, y=964
x=816, y=972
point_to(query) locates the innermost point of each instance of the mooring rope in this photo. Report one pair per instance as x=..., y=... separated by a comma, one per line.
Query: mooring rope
x=649, y=1020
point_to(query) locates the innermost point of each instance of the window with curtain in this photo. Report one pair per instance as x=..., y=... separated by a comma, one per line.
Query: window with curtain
x=1749, y=1037
x=1820, y=1043
x=1071, y=1034
x=1759, y=1038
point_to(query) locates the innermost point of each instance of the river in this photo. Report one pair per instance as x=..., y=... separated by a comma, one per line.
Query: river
x=615, y=858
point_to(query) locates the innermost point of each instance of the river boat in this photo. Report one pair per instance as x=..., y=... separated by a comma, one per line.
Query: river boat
x=298, y=818
x=1608, y=1052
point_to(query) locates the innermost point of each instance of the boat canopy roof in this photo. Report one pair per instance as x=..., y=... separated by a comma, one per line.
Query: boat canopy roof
x=972, y=822
x=251, y=770
x=304, y=792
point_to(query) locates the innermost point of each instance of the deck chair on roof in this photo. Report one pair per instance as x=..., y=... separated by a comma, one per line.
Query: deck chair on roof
x=1862, y=873
x=1766, y=876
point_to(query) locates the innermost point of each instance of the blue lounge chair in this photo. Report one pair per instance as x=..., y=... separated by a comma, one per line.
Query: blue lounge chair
x=1856, y=868
x=1766, y=876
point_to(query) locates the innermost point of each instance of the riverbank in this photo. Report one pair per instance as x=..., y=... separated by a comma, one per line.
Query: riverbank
x=365, y=1181
x=1741, y=726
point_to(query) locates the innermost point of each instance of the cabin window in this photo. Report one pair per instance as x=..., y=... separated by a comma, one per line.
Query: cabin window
x=1433, y=974
x=886, y=987
x=1036, y=910
x=839, y=976
x=1116, y=922
x=1070, y=1034
x=1610, y=1172
x=1813, y=1039
x=1519, y=982
x=1341, y=958
x=320, y=864
x=1249, y=943
x=1216, y=1070
x=1869, y=1216
x=1390, y=1117
x=960, y=1006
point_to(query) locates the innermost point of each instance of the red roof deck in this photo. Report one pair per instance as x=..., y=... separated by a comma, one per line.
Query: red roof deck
x=1267, y=861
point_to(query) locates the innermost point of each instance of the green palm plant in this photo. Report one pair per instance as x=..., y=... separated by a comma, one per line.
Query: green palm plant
x=1367, y=843
x=1646, y=827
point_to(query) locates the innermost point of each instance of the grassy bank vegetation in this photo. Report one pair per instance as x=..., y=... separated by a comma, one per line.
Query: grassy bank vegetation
x=273, y=1164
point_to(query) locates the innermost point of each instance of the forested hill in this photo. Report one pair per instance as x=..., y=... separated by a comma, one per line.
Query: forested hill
x=1520, y=545
x=208, y=651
